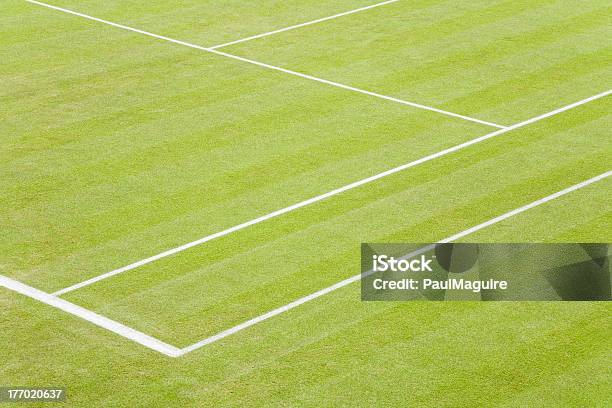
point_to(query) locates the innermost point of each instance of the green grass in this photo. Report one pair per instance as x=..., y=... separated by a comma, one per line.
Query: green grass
x=116, y=146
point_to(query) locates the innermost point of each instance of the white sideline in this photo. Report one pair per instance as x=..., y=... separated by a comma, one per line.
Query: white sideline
x=323, y=196
x=172, y=351
x=357, y=277
x=320, y=20
x=90, y=316
x=261, y=64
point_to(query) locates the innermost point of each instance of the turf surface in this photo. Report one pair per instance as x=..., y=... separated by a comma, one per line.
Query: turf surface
x=118, y=146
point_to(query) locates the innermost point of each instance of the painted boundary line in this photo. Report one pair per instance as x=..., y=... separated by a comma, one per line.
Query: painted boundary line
x=91, y=317
x=358, y=90
x=172, y=351
x=272, y=67
x=293, y=27
x=324, y=196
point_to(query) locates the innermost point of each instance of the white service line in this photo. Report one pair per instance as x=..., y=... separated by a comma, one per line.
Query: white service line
x=358, y=90
x=90, y=316
x=320, y=20
x=324, y=196
x=268, y=66
x=357, y=277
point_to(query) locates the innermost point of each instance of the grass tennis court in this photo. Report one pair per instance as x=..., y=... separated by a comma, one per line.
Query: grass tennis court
x=130, y=129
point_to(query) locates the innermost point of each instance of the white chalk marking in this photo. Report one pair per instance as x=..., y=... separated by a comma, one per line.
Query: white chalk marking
x=293, y=27
x=91, y=317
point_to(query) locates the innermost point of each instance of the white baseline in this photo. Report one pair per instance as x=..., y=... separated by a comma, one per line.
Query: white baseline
x=171, y=351
x=91, y=317
x=293, y=27
x=268, y=66
x=324, y=196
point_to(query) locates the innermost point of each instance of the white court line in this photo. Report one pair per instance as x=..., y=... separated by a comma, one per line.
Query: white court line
x=324, y=196
x=320, y=20
x=358, y=90
x=275, y=68
x=172, y=351
x=357, y=277
x=92, y=317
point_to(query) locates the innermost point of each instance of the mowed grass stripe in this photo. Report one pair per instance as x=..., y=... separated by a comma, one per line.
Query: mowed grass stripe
x=252, y=273
x=569, y=389
x=553, y=68
x=478, y=61
x=438, y=379
x=494, y=52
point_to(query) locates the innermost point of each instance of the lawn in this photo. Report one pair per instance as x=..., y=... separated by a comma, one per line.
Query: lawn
x=117, y=146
